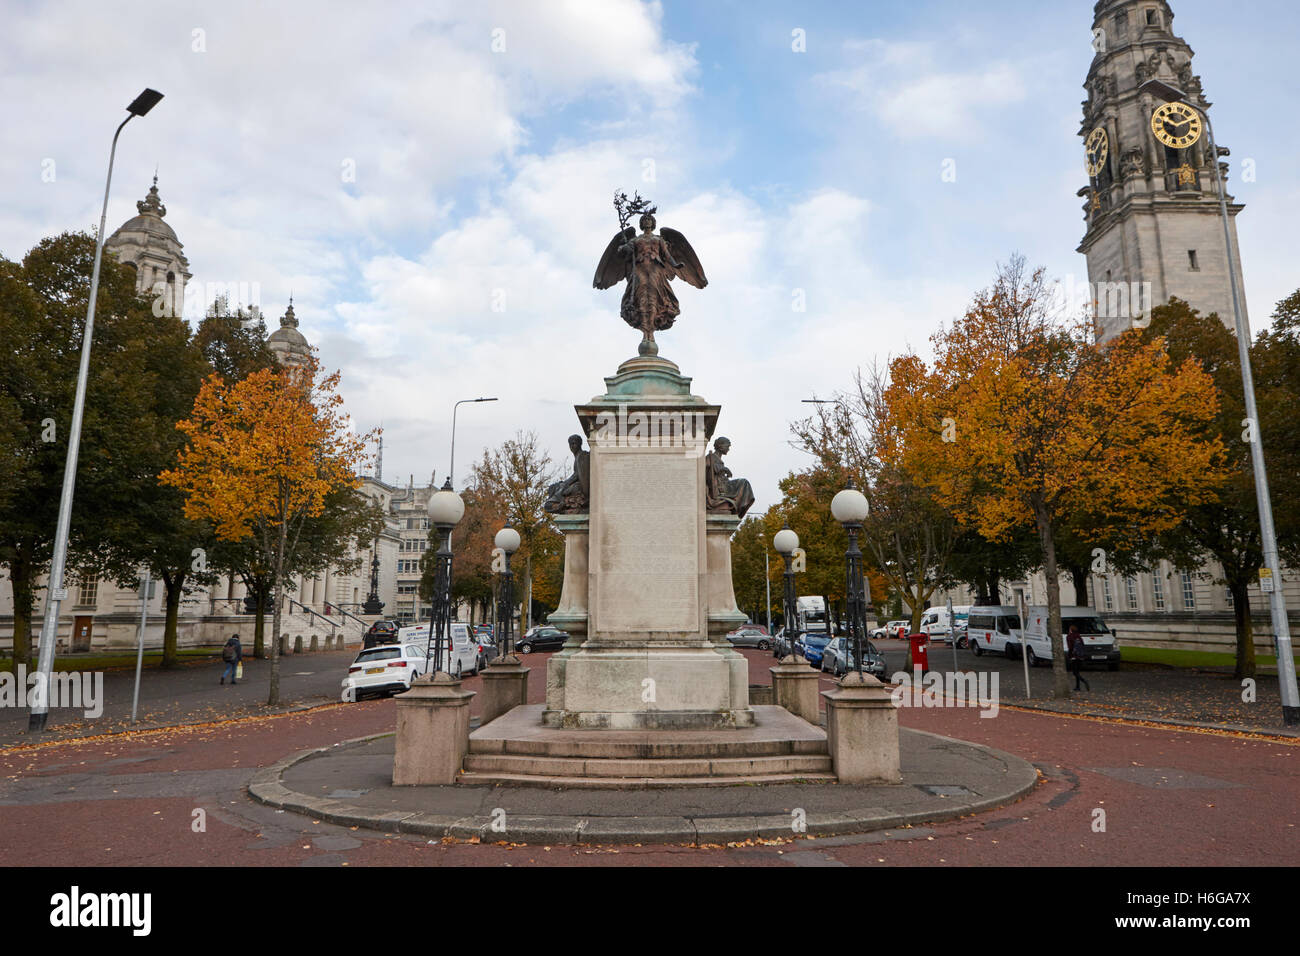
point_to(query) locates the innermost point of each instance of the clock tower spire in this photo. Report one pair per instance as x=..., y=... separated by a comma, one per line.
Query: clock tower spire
x=1154, y=228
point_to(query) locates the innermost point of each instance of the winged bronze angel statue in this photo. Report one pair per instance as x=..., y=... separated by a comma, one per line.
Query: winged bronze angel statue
x=649, y=262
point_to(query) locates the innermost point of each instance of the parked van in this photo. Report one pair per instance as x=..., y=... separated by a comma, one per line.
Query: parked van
x=994, y=629
x=1100, y=646
x=462, y=657
x=939, y=627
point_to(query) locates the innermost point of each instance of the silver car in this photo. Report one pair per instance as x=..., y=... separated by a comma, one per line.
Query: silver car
x=750, y=636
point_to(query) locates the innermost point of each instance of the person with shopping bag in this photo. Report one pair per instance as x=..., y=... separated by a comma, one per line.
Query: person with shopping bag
x=233, y=656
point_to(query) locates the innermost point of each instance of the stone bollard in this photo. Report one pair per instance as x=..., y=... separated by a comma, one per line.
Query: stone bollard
x=505, y=687
x=794, y=686
x=432, y=731
x=315, y=644
x=297, y=643
x=862, y=730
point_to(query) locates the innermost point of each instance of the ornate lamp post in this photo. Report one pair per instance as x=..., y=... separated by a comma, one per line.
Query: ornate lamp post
x=373, y=605
x=786, y=543
x=507, y=540
x=445, y=509
x=849, y=507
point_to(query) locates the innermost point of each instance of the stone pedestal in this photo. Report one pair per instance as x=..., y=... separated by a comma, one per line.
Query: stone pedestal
x=505, y=687
x=794, y=685
x=862, y=731
x=658, y=599
x=432, y=731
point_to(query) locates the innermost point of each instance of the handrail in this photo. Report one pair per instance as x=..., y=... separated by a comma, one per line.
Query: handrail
x=292, y=602
x=346, y=613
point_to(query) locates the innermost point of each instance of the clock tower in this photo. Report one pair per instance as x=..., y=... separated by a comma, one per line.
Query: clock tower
x=1151, y=204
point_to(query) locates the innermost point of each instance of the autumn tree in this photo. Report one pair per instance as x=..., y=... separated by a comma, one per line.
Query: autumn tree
x=907, y=536
x=262, y=457
x=1022, y=417
x=1225, y=527
x=516, y=475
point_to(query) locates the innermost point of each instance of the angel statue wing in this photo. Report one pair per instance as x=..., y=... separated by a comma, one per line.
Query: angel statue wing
x=689, y=268
x=613, y=268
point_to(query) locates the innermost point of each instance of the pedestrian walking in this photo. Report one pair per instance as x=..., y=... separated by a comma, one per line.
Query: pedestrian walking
x=232, y=654
x=1075, y=647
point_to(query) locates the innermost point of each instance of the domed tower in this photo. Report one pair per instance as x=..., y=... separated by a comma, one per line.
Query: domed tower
x=151, y=248
x=289, y=345
x=1152, y=204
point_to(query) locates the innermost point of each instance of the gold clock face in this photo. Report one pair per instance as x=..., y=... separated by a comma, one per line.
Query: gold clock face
x=1096, y=146
x=1176, y=125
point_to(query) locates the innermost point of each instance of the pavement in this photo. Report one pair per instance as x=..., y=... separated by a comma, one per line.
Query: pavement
x=1108, y=794
x=351, y=784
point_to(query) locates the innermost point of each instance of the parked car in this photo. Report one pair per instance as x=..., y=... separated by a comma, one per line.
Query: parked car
x=1099, y=642
x=381, y=632
x=750, y=636
x=937, y=625
x=385, y=669
x=487, y=647
x=811, y=645
x=542, y=638
x=460, y=655
x=889, y=630
x=837, y=658
x=994, y=629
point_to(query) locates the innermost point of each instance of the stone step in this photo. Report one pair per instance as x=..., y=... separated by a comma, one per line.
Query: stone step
x=646, y=768
x=473, y=778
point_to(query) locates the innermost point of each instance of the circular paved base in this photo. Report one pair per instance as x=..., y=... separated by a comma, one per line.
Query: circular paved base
x=350, y=784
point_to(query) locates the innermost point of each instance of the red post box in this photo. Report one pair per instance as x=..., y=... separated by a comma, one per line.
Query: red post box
x=920, y=652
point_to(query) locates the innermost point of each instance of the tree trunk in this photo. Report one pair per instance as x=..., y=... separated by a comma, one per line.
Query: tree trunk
x=20, y=580
x=1245, y=630
x=1079, y=575
x=273, y=698
x=1060, y=676
x=175, y=586
x=259, y=627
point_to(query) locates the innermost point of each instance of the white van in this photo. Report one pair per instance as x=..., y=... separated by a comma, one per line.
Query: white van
x=462, y=657
x=994, y=629
x=1100, y=646
x=936, y=624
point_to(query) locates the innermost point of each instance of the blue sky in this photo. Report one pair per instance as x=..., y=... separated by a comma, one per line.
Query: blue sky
x=484, y=178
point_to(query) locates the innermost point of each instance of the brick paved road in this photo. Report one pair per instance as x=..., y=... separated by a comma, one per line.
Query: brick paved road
x=1171, y=798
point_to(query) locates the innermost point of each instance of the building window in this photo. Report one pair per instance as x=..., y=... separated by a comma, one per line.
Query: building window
x=1227, y=594
x=88, y=592
x=1121, y=26
x=1110, y=599
x=1132, y=586
x=1192, y=263
x=1153, y=17
x=1158, y=590
x=1189, y=593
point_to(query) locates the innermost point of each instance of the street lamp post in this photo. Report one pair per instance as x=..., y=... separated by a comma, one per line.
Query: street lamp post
x=767, y=580
x=786, y=543
x=445, y=509
x=56, y=593
x=507, y=540
x=1268, y=536
x=451, y=471
x=849, y=508
x=372, y=604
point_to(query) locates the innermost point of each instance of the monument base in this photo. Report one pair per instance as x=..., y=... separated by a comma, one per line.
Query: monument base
x=668, y=685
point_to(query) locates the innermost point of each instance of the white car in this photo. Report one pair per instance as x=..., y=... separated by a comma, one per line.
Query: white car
x=386, y=669
x=889, y=630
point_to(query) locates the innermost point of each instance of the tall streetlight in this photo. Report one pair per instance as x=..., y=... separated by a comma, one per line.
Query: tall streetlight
x=507, y=540
x=1268, y=536
x=767, y=580
x=849, y=508
x=786, y=543
x=56, y=593
x=451, y=472
x=445, y=509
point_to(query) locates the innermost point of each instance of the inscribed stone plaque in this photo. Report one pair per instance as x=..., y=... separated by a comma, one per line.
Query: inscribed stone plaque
x=649, y=542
